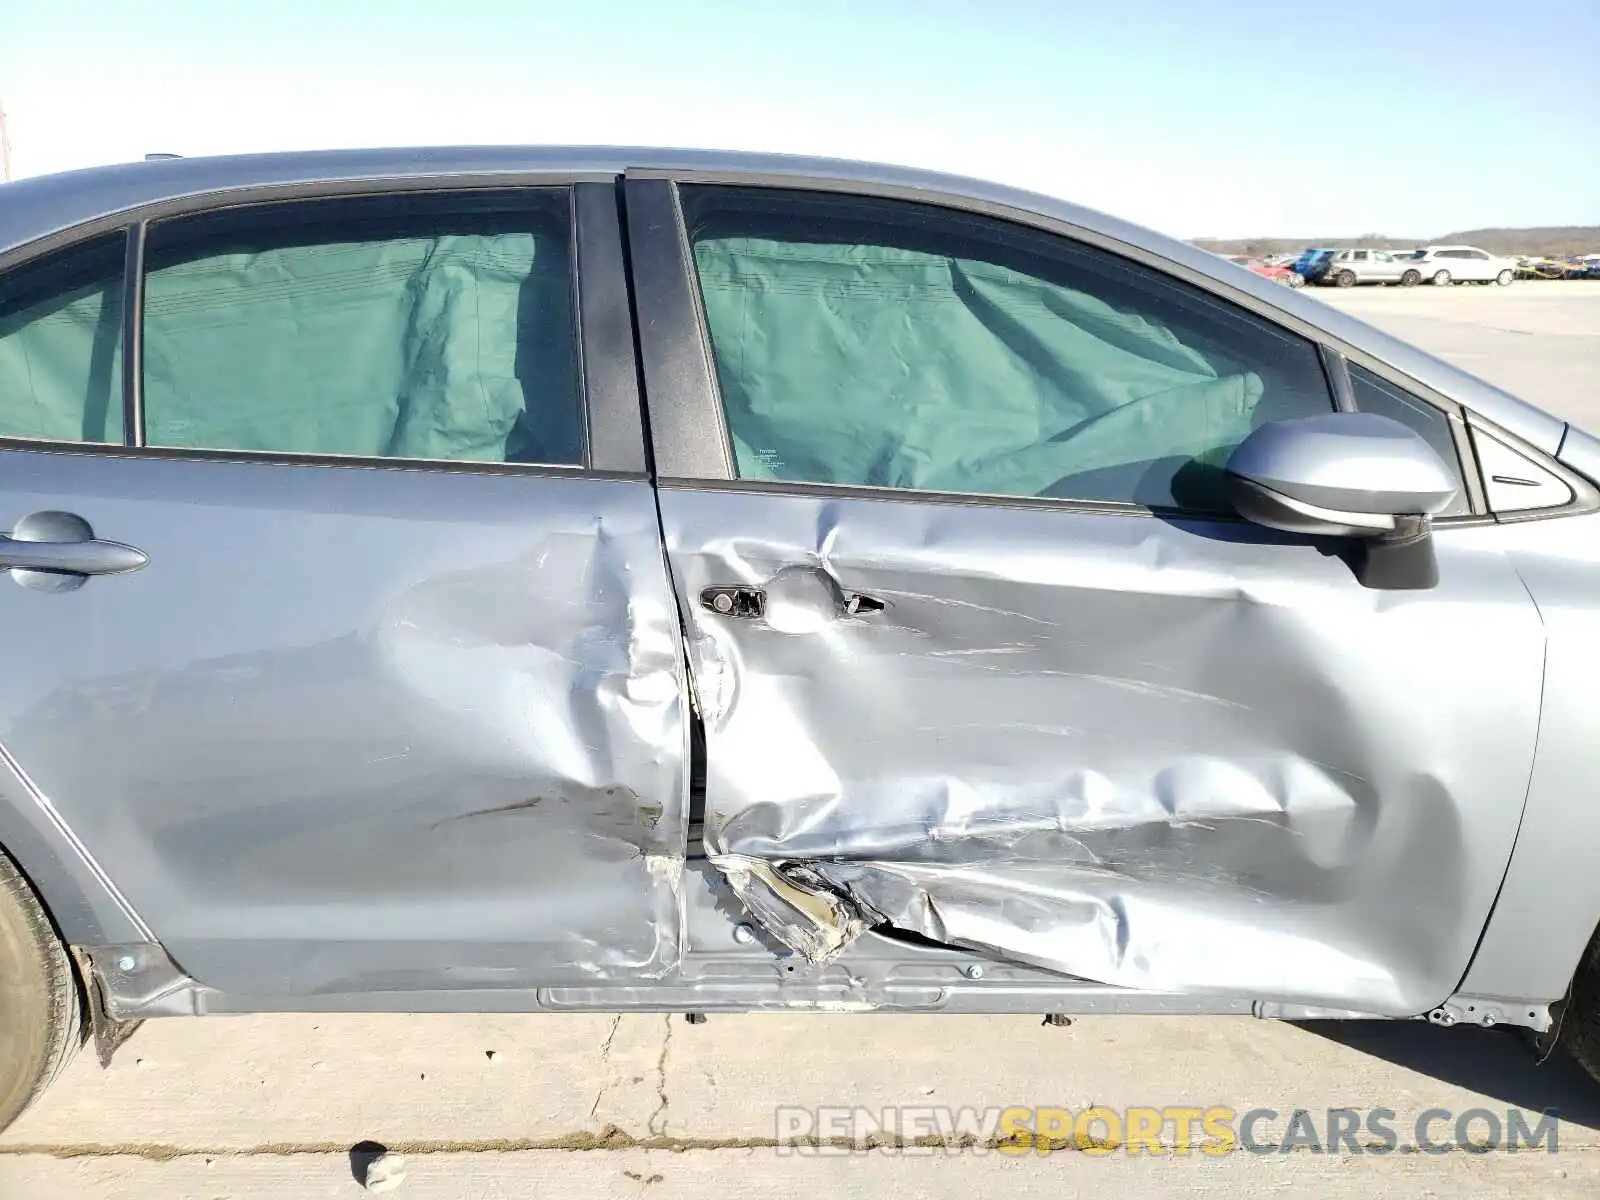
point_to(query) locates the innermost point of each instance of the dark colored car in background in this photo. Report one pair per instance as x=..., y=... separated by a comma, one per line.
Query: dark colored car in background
x=1313, y=264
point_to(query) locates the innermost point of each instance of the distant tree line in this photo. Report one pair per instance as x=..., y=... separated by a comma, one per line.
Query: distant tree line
x=1551, y=240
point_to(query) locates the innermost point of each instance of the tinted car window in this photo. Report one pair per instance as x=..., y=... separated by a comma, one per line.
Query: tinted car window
x=1376, y=395
x=61, y=346
x=435, y=327
x=888, y=344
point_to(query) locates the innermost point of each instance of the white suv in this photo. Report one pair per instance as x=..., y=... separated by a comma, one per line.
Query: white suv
x=1462, y=264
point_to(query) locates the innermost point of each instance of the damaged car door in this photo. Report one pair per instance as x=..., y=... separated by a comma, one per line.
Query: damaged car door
x=982, y=653
x=336, y=621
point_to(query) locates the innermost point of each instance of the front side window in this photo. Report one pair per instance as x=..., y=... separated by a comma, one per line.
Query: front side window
x=888, y=344
x=61, y=346
x=1377, y=395
x=421, y=327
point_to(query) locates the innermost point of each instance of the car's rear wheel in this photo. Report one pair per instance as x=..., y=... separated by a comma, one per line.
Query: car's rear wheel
x=1411, y=279
x=1345, y=279
x=1441, y=279
x=40, y=1016
x=1580, y=1024
x=1505, y=277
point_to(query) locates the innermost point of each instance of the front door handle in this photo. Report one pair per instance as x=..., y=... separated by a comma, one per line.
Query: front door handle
x=751, y=602
x=57, y=551
x=748, y=602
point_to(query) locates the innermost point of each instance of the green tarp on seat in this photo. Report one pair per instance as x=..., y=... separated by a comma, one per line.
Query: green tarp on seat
x=61, y=352
x=881, y=366
x=450, y=347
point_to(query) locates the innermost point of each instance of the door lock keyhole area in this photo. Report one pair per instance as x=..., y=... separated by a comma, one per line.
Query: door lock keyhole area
x=746, y=602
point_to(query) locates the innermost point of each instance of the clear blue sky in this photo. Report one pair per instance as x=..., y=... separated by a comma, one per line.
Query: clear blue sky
x=1256, y=116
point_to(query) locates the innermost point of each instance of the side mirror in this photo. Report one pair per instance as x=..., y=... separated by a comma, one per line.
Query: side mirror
x=1360, y=477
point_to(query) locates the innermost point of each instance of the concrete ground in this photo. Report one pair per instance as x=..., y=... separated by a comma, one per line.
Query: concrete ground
x=647, y=1105
x=1538, y=339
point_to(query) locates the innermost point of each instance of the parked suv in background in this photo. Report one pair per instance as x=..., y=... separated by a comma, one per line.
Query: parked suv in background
x=1350, y=267
x=1461, y=264
x=1313, y=264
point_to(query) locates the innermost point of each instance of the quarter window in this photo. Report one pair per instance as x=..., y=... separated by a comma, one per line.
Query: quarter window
x=401, y=327
x=61, y=346
x=889, y=344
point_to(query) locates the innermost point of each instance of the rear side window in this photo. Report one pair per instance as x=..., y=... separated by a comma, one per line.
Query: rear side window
x=889, y=344
x=1376, y=395
x=61, y=346
x=421, y=327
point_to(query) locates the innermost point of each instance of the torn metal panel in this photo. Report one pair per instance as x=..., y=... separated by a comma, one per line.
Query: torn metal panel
x=445, y=751
x=1167, y=755
x=800, y=912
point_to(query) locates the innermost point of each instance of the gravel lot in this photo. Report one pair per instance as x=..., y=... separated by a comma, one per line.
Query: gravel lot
x=647, y=1105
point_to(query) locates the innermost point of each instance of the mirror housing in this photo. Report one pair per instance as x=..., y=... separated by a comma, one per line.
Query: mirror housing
x=1360, y=477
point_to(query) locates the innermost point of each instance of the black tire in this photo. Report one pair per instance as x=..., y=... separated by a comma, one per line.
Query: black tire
x=1411, y=278
x=1580, y=1024
x=1345, y=279
x=1442, y=279
x=40, y=1008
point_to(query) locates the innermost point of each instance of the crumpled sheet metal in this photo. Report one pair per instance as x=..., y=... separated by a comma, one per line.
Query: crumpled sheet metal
x=1150, y=754
x=447, y=752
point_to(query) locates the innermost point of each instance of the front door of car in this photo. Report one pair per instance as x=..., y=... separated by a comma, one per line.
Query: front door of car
x=391, y=698
x=980, y=652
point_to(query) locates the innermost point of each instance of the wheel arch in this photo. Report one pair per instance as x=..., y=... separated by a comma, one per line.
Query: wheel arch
x=78, y=898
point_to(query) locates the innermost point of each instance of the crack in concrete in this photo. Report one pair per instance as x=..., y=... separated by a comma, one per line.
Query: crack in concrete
x=661, y=1083
x=605, y=1062
x=611, y=1137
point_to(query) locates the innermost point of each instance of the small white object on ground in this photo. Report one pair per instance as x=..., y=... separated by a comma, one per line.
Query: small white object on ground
x=385, y=1173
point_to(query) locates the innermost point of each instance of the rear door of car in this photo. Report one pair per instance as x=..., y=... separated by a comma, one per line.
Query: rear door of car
x=980, y=654
x=337, y=629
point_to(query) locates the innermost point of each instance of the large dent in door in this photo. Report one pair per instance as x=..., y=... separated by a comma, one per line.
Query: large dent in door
x=1116, y=747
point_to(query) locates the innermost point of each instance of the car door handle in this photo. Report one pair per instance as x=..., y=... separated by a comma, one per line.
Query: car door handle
x=93, y=557
x=751, y=602
x=56, y=551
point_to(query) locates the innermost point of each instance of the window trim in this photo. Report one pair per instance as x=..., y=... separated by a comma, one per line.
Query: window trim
x=684, y=399
x=133, y=335
x=597, y=299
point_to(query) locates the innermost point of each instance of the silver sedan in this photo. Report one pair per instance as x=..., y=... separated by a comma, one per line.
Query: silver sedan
x=535, y=579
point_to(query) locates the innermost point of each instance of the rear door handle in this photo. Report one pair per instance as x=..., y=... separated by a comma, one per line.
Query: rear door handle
x=56, y=551
x=78, y=558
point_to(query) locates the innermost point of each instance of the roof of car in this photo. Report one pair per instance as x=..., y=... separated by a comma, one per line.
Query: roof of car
x=39, y=207
x=31, y=208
